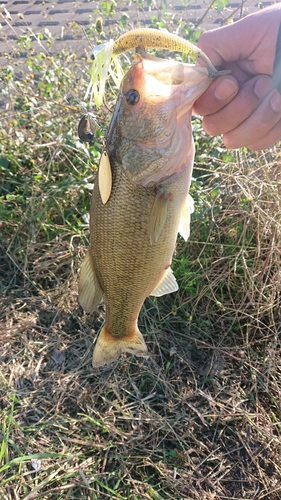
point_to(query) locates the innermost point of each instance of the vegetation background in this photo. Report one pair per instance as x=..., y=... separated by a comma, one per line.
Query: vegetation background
x=199, y=419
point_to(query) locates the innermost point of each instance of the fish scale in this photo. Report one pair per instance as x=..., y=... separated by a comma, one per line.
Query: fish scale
x=128, y=267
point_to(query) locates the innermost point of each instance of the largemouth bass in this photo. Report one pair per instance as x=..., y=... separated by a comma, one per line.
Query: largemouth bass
x=140, y=200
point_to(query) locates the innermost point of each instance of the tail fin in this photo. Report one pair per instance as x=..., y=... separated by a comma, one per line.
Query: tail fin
x=109, y=348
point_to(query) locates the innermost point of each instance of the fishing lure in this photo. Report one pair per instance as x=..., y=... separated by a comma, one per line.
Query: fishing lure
x=105, y=57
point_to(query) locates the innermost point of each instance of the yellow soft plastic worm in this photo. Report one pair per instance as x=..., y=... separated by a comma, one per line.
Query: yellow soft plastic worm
x=157, y=39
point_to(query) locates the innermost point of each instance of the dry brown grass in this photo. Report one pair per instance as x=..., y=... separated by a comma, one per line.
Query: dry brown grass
x=199, y=419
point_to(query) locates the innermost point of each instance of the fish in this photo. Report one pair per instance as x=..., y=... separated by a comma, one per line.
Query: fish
x=141, y=198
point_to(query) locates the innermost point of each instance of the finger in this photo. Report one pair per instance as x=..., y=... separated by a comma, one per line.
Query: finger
x=247, y=41
x=218, y=95
x=240, y=108
x=273, y=136
x=215, y=43
x=258, y=131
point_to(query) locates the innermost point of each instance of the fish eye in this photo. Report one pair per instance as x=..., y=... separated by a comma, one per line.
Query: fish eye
x=86, y=128
x=132, y=97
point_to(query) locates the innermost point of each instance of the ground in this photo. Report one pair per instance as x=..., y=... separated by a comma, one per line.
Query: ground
x=200, y=417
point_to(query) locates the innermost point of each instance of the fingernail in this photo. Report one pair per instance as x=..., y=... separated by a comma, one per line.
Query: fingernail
x=225, y=89
x=275, y=102
x=262, y=86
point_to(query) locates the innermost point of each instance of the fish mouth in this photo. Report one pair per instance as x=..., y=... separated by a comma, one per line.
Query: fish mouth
x=168, y=71
x=165, y=77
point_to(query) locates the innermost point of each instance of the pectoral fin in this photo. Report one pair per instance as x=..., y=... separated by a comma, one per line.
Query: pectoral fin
x=105, y=177
x=158, y=216
x=90, y=292
x=168, y=284
x=187, y=210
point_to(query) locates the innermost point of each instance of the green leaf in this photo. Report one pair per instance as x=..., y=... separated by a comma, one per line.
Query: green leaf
x=219, y=5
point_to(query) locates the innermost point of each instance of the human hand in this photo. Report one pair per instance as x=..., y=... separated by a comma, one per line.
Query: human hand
x=245, y=107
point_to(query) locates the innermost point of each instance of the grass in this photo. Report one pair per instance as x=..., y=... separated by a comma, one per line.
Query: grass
x=198, y=419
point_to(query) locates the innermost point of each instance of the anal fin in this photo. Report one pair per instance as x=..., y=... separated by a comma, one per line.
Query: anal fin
x=90, y=292
x=109, y=348
x=168, y=284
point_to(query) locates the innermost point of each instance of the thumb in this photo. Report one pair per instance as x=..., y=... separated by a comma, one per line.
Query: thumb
x=220, y=93
x=225, y=44
x=251, y=41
